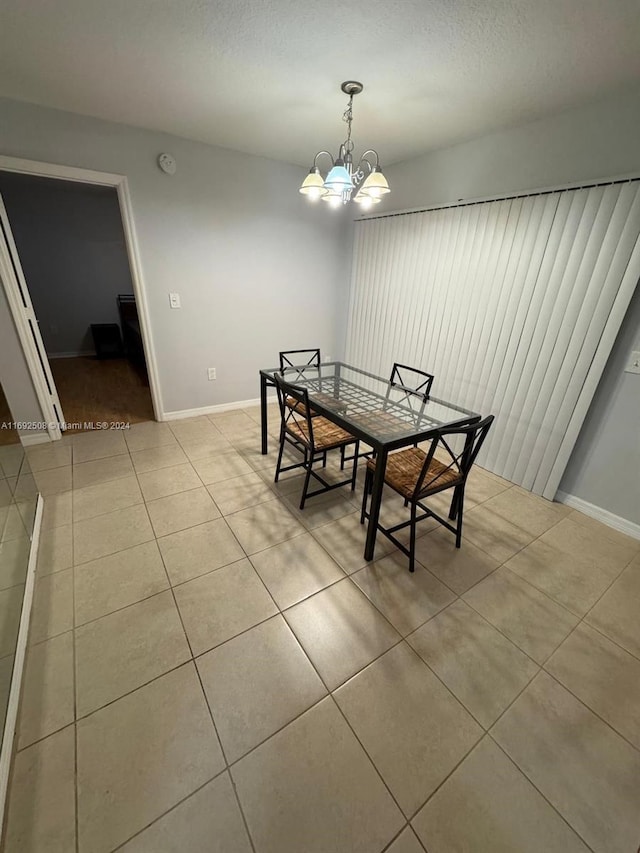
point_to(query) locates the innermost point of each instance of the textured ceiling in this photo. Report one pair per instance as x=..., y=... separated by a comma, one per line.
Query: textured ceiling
x=263, y=76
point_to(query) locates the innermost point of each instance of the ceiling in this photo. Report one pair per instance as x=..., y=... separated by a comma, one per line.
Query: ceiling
x=263, y=76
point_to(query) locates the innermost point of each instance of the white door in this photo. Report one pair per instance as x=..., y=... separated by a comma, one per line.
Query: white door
x=27, y=326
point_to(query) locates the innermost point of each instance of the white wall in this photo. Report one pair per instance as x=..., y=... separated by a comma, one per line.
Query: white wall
x=258, y=269
x=596, y=141
x=73, y=254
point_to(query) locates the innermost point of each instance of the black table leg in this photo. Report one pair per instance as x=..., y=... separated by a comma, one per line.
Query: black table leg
x=376, y=499
x=263, y=412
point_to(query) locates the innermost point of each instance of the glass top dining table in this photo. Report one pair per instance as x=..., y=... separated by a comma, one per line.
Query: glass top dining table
x=384, y=415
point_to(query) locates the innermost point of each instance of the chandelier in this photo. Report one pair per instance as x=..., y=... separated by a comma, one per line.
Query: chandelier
x=363, y=183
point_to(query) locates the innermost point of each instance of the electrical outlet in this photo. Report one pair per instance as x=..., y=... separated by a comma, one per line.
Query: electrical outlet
x=326, y=359
x=634, y=363
x=174, y=300
x=211, y=373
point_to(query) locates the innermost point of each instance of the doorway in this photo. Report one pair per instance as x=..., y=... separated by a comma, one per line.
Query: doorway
x=74, y=242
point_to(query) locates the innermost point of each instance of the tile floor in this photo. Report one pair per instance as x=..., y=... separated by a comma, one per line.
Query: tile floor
x=212, y=670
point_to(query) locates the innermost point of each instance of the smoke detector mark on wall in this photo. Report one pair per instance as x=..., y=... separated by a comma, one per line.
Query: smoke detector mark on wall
x=167, y=163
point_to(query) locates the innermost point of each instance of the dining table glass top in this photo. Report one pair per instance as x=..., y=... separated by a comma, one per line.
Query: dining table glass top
x=380, y=411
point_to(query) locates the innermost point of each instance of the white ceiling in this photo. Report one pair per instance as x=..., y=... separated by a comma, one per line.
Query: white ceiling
x=263, y=76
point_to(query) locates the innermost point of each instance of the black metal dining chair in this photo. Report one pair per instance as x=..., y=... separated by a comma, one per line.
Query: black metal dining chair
x=311, y=436
x=416, y=475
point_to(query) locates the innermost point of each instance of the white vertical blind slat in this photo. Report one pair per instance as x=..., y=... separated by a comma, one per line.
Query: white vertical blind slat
x=513, y=305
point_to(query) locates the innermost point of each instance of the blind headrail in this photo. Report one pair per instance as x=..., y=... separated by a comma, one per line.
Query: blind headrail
x=578, y=185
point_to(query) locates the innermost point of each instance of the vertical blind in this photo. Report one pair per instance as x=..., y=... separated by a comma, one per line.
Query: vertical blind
x=514, y=305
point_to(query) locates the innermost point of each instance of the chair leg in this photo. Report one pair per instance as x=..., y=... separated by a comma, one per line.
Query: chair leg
x=412, y=538
x=355, y=466
x=324, y=459
x=365, y=494
x=459, y=510
x=306, y=481
x=342, y=458
x=279, y=462
x=453, y=510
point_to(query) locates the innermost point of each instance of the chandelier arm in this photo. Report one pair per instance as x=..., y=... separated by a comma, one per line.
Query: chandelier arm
x=329, y=155
x=368, y=162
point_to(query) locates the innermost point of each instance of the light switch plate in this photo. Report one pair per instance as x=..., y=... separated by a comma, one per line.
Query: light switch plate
x=174, y=300
x=633, y=365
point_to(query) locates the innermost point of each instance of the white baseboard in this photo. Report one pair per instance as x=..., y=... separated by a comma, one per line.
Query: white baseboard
x=11, y=719
x=83, y=354
x=28, y=439
x=210, y=410
x=603, y=515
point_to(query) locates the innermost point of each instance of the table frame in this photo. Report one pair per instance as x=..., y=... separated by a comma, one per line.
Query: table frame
x=382, y=448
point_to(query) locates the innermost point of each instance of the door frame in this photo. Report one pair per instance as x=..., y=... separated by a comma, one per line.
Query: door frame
x=121, y=185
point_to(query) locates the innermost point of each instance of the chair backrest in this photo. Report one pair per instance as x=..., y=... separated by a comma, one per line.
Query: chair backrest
x=473, y=433
x=295, y=362
x=411, y=380
x=294, y=406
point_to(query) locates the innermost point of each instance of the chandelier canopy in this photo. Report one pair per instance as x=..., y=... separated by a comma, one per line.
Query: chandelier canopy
x=363, y=183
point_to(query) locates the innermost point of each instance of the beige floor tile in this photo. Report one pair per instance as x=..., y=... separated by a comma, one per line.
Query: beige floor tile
x=240, y=493
x=311, y=787
x=42, y=457
x=406, y=598
x=459, y=568
x=603, y=676
x=177, y=512
x=406, y=842
x=121, y=651
x=199, y=550
x=41, y=815
x=321, y=509
x=213, y=445
x=493, y=534
x=105, y=497
x=488, y=806
x=234, y=422
x=168, y=481
x=603, y=530
x=256, y=684
x=140, y=756
x=577, y=762
x=11, y=459
x=52, y=611
x=341, y=631
x=55, y=550
x=477, y=663
x=148, y=434
x=50, y=482
x=109, y=533
x=288, y=483
x=577, y=582
x=99, y=444
x=253, y=456
x=109, y=583
x=530, y=619
x=6, y=671
x=345, y=538
x=101, y=471
x=527, y=511
x=222, y=466
x=262, y=526
x=193, y=429
x=154, y=458
x=15, y=522
x=10, y=609
x=482, y=485
x=296, y=569
x=616, y=614
x=221, y=604
x=584, y=540
x=412, y=728
x=47, y=695
x=14, y=560
x=209, y=821
x=57, y=510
